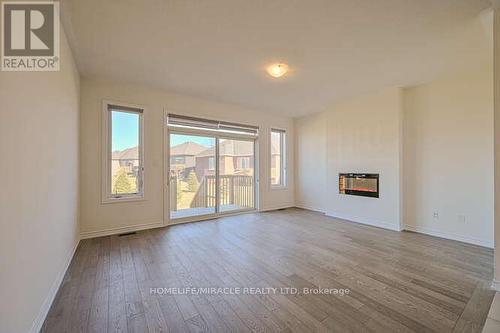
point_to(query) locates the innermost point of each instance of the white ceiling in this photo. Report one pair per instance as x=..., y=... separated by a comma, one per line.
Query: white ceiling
x=219, y=49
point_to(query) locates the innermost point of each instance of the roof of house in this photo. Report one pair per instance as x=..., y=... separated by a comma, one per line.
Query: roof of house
x=126, y=154
x=187, y=148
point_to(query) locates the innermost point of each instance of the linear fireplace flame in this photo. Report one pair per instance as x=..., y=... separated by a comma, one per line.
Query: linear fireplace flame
x=362, y=184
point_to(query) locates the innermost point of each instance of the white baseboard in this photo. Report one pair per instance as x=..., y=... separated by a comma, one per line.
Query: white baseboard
x=307, y=207
x=138, y=227
x=44, y=310
x=268, y=209
x=362, y=220
x=495, y=285
x=447, y=235
x=120, y=230
x=201, y=218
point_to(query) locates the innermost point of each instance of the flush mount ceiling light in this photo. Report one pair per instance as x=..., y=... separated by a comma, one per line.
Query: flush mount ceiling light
x=277, y=70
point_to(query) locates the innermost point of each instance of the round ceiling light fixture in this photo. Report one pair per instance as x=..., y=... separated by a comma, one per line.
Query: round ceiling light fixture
x=277, y=70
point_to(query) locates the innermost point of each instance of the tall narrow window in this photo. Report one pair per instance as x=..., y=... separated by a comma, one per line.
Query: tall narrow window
x=124, y=174
x=278, y=159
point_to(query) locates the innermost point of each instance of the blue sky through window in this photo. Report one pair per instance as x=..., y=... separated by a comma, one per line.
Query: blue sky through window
x=124, y=130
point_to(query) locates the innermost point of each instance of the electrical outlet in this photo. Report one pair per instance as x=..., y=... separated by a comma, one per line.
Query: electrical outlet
x=436, y=215
x=461, y=218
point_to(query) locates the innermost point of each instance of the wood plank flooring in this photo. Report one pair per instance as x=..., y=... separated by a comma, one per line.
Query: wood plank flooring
x=397, y=281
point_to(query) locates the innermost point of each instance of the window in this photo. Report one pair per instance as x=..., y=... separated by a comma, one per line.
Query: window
x=211, y=163
x=243, y=163
x=278, y=160
x=124, y=159
x=178, y=160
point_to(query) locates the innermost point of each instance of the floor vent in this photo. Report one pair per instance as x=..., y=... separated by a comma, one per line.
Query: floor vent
x=127, y=234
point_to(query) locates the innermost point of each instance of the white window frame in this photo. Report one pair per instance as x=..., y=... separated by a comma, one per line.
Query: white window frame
x=106, y=195
x=283, y=160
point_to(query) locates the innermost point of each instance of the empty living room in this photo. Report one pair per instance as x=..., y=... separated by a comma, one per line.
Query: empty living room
x=250, y=166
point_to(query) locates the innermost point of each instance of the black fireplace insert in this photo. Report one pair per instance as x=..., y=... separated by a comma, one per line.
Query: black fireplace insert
x=362, y=184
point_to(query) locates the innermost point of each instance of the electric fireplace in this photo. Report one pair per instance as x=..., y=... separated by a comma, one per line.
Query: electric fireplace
x=362, y=184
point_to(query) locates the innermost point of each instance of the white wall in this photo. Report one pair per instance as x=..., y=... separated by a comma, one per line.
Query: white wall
x=363, y=136
x=360, y=135
x=432, y=145
x=39, y=114
x=448, y=145
x=98, y=218
x=310, y=167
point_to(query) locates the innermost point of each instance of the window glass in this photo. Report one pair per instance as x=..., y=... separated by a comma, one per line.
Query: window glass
x=277, y=158
x=126, y=165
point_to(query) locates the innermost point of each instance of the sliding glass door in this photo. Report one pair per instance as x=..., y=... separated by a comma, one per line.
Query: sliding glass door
x=192, y=175
x=210, y=174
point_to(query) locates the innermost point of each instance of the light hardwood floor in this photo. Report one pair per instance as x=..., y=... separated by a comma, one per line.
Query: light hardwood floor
x=398, y=282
